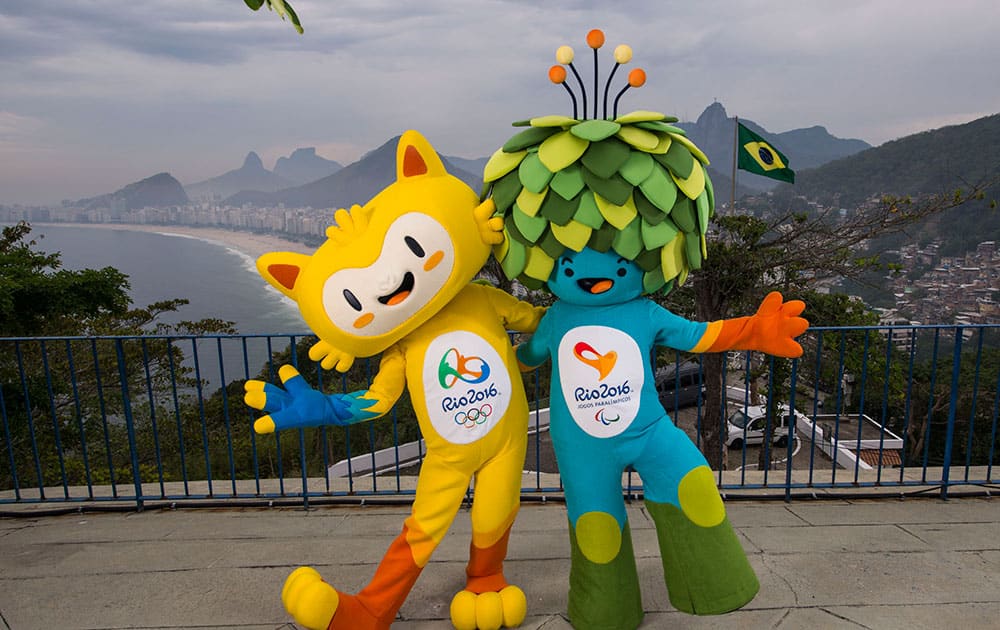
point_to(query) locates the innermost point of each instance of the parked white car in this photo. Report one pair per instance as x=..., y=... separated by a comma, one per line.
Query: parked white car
x=747, y=426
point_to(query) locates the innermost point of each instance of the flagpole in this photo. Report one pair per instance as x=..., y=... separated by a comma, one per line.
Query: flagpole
x=736, y=131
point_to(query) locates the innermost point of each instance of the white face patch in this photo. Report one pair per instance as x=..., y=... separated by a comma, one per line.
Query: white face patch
x=601, y=373
x=467, y=386
x=416, y=260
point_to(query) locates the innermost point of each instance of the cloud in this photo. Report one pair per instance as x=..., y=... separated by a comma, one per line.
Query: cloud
x=189, y=86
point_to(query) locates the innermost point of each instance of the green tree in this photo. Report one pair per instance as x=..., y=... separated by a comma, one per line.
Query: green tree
x=76, y=352
x=792, y=252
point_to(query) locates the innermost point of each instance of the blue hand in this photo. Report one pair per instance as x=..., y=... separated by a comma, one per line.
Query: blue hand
x=299, y=405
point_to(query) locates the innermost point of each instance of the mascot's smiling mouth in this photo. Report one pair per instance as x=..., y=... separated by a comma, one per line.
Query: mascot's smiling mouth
x=401, y=293
x=595, y=285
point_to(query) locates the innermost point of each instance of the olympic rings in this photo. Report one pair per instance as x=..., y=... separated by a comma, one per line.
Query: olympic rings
x=474, y=416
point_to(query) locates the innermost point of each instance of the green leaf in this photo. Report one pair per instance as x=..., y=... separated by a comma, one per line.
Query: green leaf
x=528, y=138
x=642, y=116
x=656, y=236
x=533, y=174
x=678, y=159
x=615, y=189
x=602, y=239
x=532, y=227
x=513, y=262
x=254, y=4
x=587, y=212
x=551, y=245
x=606, y=157
x=560, y=150
x=558, y=210
x=505, y=191
x=649, y=260
x=637, y=167
x=501, y=163
x=628, y=241
x=704, y=211
x=595, y=130
x=692, y=251
x=652, y=281
x=573, y=235
x=684, y=215
x=639, y=138
x=649, y=212
x=553, y=121
x=660, y=126
x=659, y=189
x=568, y=182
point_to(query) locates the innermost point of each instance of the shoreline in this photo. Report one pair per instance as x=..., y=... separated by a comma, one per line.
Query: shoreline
x=249, y=243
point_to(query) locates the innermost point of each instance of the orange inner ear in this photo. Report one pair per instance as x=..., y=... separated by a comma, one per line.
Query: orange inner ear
x=284, y=274
x=413, y=163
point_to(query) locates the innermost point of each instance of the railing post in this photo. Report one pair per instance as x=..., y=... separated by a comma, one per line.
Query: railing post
x=129, y=424
x=949, y=437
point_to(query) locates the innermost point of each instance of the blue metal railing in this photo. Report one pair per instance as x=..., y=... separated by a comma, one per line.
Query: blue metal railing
x=901, y=409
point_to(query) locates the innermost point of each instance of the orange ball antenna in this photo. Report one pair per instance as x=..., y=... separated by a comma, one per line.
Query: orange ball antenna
x=595, y=38
x=637, y=78
x=557, y=74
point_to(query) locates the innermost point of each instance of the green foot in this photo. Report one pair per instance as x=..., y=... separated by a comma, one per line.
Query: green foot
x=604, y=595
x=706, y=569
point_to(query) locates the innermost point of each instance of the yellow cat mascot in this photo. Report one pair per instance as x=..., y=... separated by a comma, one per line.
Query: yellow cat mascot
x=394, y=277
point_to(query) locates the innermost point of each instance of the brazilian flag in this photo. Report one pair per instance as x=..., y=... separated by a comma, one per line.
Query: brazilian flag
x=758, y=156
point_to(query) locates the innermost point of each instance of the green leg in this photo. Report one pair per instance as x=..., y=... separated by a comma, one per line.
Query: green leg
x=706, y=569
x=604, y=595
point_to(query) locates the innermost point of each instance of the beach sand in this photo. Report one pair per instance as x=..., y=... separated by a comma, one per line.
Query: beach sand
x=249, y=243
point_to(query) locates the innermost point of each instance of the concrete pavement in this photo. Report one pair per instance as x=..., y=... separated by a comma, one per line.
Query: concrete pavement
x=913, y=563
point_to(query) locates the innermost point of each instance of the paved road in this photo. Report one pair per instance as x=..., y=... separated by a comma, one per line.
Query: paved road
x=914, y=563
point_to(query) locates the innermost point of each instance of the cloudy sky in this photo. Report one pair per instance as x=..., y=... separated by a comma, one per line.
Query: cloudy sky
x=96, y=94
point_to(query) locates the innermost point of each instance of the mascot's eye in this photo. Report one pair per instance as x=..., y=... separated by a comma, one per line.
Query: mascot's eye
x=568, y=272
x=414, y=247
x=622, y=272
x=352, y=300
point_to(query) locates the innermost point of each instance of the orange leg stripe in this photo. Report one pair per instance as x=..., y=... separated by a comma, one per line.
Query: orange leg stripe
x=485, y=570
x=385, y=594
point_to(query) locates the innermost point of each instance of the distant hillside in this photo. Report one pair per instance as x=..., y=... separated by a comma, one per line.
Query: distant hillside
x=251, y=176
x=304, y=166
x=156, y=191
x=355, y=183
x=928, y=162
x=714, y=130
x=933, y=162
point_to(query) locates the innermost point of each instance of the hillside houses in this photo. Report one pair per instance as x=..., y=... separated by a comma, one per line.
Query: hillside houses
x=935, y=288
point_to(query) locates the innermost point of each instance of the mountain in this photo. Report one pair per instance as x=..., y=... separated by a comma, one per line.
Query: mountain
x=251, y=176
x=304, y=166
x=939, y=161
x=355, y=183
x=714, y=132
x=159, y=190
x=928, y=162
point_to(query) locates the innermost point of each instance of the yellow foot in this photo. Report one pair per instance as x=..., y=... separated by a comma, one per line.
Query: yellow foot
x=489, y=611
x=308, y=599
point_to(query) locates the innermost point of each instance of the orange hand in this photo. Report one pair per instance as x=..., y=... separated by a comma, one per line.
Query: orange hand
x=772, y=329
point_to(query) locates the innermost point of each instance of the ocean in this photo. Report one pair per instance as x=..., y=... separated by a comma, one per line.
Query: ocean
x=217, y=280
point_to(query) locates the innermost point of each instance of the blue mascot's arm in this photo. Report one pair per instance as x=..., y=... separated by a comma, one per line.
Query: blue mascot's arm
x=299, y=405
x=674, y=331
x=536, y=351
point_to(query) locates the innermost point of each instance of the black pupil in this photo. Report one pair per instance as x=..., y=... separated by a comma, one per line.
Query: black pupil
x=621, y=273
x=569, y=273
x=414, y=246
x=352, y=300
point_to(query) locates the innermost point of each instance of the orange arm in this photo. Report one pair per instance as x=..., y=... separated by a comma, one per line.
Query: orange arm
x=772, y=329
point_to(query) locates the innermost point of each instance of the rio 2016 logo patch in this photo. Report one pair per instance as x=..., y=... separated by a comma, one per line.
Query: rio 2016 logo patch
x=468, y=388
x=601, y=370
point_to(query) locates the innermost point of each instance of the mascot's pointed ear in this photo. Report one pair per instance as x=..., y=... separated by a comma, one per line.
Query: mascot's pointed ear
x=282, y=270
x=416, y=157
